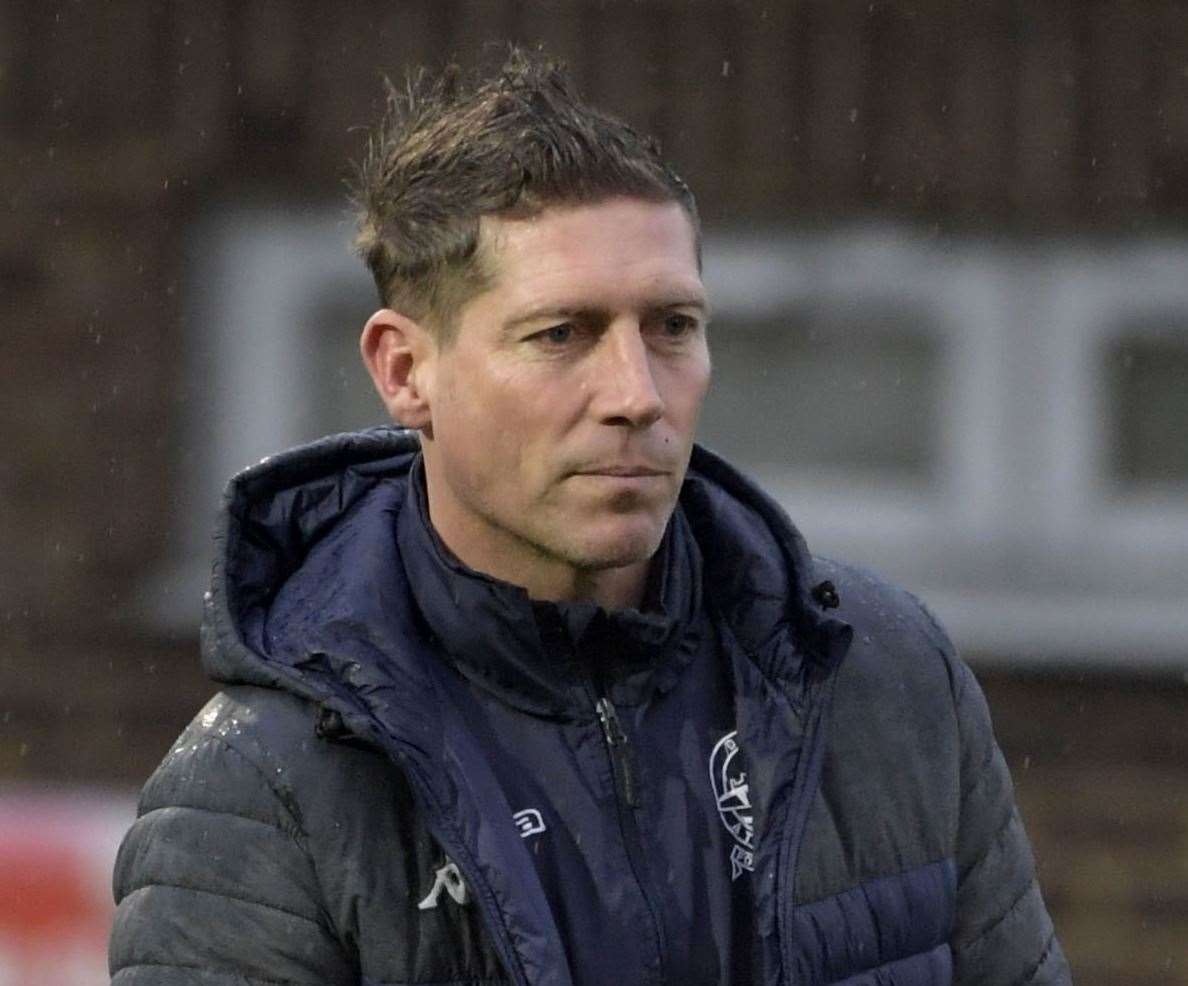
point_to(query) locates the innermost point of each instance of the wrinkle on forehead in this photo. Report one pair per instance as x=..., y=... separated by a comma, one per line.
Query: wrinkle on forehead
x=515, y=254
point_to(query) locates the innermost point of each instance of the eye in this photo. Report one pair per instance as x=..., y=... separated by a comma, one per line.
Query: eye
x=558, y=334
x=676, y=324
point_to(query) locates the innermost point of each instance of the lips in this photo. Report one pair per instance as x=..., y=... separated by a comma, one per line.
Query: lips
x=621, y=470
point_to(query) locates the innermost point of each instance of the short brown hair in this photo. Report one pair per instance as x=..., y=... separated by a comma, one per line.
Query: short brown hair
x=451, y=150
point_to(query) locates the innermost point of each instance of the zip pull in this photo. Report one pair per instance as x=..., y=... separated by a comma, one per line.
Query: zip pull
x=621, y=757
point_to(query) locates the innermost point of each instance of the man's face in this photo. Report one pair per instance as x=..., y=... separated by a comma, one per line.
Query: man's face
x=563, y=410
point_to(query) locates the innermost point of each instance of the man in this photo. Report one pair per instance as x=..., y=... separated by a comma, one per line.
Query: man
x=537, y=691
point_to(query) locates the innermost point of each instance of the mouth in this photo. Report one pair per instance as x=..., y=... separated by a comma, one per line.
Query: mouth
x=623, y=471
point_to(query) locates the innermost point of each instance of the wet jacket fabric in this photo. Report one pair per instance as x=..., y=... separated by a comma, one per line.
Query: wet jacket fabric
x=778, y=772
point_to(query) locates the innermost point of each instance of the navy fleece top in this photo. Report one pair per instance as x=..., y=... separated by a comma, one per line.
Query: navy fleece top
x=640, y=837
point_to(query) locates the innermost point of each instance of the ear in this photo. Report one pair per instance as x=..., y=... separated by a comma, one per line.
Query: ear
x=398, y=353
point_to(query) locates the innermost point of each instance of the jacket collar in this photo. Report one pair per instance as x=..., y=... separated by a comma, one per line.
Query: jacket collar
x=543, y=657
x=277, y=512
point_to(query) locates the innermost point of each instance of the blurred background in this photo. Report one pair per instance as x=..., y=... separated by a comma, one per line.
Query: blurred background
x=948, y=249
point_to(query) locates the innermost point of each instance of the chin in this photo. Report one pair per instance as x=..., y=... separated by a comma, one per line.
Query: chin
x=617, y=545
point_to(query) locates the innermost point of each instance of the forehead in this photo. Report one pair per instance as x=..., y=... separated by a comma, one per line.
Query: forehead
x=618, y=247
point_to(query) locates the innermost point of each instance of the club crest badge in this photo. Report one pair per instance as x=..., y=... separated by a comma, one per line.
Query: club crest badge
x=732, y=792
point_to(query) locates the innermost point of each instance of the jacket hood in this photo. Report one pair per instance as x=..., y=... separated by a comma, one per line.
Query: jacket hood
x=756, y=570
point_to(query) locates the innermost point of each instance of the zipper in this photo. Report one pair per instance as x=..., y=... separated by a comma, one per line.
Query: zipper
x=622, y=761
x=626, y=780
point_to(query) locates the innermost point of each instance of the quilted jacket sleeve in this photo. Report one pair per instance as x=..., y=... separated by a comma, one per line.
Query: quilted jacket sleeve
x=213, y=882
x=1003, y=933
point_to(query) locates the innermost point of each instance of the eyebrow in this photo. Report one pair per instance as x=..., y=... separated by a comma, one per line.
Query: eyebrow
x=545, y=312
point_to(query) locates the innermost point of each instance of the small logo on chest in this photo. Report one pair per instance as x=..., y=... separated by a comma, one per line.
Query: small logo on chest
x=447, y=879
x=528, y=822
x=732, y=793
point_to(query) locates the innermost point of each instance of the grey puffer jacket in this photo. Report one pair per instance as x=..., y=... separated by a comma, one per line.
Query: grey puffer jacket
x=299, y=826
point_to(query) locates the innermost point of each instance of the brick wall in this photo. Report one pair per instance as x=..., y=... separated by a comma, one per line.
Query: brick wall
x=1099, y=768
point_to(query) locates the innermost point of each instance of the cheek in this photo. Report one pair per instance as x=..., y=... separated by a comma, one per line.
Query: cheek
x=485, y=429
x=687, y=387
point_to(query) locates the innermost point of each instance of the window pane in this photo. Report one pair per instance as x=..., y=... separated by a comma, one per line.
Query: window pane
x=855, y=389
x=1148, y=389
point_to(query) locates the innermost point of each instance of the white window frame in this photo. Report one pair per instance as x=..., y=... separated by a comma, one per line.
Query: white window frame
x=1019, y=485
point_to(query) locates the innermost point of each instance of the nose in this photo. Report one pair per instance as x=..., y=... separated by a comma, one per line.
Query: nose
x=626, y=390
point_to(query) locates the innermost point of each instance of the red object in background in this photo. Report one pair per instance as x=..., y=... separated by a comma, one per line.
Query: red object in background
x=56, y=855
x=47, y=889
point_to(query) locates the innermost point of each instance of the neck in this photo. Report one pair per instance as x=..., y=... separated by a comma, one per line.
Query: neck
x=542, y=576
x=610, y=588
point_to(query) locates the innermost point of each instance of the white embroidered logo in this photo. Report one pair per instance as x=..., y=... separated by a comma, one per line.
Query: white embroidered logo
x=449, y=879
x=528, y=822
x=734, y=802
